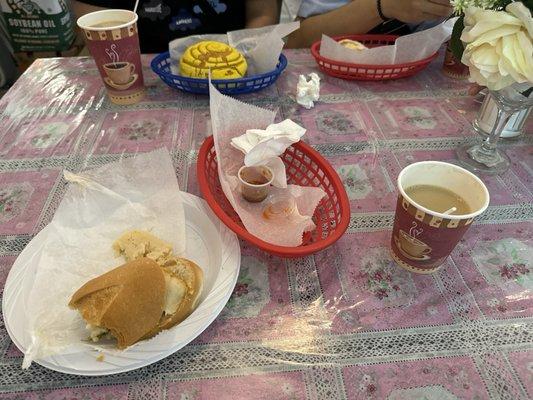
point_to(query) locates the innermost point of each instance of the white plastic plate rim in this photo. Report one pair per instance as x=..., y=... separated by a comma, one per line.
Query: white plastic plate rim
x=200, y=220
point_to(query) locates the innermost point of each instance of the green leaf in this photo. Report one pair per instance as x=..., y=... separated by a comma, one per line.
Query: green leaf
x=455, y=41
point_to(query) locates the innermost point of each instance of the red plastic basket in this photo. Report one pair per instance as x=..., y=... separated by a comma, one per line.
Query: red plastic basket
x=305, y=167
x=365, y=72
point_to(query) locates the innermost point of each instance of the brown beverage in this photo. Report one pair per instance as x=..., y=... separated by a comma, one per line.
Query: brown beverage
x=108, y=24
x=258, y=182
x=438, y=199
x=117, y=65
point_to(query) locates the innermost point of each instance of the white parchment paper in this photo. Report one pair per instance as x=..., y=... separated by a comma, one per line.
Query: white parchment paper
x=230, y=118
x=100, y=204
x=408, y=48
x=260, y=46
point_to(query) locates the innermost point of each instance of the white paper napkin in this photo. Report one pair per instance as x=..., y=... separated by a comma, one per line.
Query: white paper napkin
x=308, y=91
x=263, y=146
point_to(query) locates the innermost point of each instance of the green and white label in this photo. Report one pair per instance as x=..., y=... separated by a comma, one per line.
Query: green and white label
x=38, y=25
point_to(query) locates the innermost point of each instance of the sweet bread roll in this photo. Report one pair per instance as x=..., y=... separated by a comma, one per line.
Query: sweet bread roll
x=126, y=302
x=184, y=281
x=224, y=61
x=352, y=44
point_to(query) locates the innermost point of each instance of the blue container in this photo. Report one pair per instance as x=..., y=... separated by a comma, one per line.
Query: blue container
x=161, y=66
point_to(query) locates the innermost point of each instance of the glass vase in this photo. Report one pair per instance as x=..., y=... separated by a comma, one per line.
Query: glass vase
x=484, y=156
x=487, y=115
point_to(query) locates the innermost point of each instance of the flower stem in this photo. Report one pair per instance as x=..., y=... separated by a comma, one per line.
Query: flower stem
x=491, y=141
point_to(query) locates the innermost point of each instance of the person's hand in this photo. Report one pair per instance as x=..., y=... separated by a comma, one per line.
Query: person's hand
x=410, y=11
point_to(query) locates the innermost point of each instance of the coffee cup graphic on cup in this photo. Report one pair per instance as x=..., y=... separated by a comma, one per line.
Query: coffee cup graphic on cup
x=119, y=73
x=411, y=247
x=113, y=40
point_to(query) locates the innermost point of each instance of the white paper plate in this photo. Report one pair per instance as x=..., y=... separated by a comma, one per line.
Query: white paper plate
x=209, y=243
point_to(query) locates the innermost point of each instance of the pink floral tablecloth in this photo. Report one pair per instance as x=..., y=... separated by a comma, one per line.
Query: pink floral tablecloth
x=345, y=323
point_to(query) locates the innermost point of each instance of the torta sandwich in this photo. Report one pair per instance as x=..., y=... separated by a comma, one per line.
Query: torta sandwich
x=142, y=297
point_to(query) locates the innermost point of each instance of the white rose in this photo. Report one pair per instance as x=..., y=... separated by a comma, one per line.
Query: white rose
x=499, y=46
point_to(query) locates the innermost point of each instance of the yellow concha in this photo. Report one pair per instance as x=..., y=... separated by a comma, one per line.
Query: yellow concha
x=224, y=61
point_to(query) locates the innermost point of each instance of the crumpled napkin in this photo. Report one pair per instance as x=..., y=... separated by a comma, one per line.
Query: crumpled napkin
x=408, y=48
x=260, y=46
x=308, y=91
x=263, y=146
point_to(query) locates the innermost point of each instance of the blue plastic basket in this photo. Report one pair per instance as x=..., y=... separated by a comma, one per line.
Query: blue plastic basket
x=161, y=66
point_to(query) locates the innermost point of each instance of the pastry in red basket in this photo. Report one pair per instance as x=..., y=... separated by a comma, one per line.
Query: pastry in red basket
x=353, y=44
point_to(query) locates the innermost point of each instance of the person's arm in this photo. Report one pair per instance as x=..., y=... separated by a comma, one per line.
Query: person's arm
x=79, y=8
x=358, y=16
x=261, y=13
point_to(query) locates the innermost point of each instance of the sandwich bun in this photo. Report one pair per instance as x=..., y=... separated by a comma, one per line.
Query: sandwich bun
x=352, y=44
x=128, y=300
x=190, y=277
x=153, y=291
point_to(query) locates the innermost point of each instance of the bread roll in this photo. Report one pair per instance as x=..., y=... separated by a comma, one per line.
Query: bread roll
x=153, y=291
x=352, y=44
x=139, y=299
x=126, y=301
x=191, y=277
x=224, y=61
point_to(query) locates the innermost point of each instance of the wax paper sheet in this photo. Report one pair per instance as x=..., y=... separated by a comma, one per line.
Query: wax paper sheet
x=230, y=118
x=260, y=46
x=408, y=48
x=100, y=204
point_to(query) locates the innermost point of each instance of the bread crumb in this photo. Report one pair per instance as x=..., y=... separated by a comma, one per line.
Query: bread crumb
x=461, y=111
x=100, y=357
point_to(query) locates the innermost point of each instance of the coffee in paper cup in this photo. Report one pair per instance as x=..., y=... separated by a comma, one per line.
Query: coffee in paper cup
x=424, y=234
x=113, y=40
